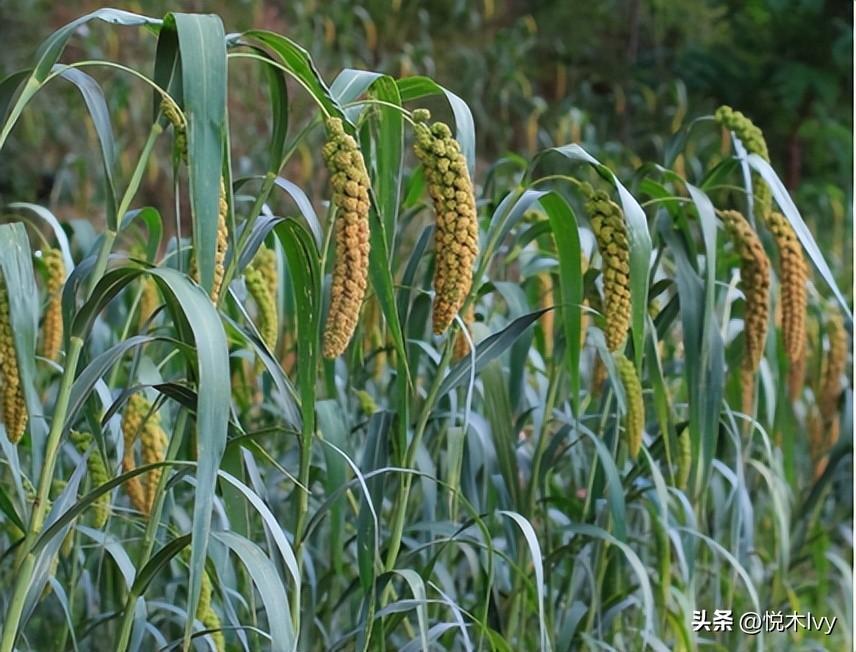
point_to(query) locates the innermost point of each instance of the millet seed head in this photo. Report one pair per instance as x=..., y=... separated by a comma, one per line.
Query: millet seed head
x=456, y=225
x=350, y=184
x=635, y=418
x=610, y=231
x=14, y=408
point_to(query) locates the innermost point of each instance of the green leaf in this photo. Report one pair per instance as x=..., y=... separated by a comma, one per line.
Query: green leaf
x=535, y=552
x=16, y=269
x=806, y=239
x=413, y=88
x=298, y=61
x=93, y=97
x=202, y=48
x=270, y=588
x=563, y=223
x=49, y=53
x=640, y=241
x=488, y=349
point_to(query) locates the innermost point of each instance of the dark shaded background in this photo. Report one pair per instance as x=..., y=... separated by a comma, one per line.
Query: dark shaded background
x=619, y=77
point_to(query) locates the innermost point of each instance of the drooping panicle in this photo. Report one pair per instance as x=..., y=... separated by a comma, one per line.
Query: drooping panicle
x=52, y=320
x=456, y=227
x=14, y=408
x=610, y=230
x=635, y=418
x=350, y=182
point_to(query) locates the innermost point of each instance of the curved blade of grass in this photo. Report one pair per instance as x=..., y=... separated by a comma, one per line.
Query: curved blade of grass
x=563, y=223
x=537, y=562
x=305, y=206
x=50, y=51
x=640, y=241
x=202, y=49
x=488, y=349
x=635, y=563
x=93, y=97
x=269, y=585
x=296, y=59
x=214, y=391
x=51, y=220
x=413, y=88
x=783, y=199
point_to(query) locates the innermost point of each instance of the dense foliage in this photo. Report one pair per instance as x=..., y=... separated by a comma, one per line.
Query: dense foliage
x=547, y=402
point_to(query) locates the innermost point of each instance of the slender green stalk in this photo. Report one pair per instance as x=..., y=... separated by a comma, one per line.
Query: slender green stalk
x=403, y=495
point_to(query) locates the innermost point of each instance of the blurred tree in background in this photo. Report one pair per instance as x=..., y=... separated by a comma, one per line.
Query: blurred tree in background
x=612, y=75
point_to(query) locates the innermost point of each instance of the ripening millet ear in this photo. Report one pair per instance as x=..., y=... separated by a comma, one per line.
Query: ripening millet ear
x=260, y=277
x=98, y=475
x=207, y=616
x=172, y=114
x=793, y=278
x=137, y=422
x=149, y=299
x=14, y=408
x=610, y=230
x=635, y=418
x=794, y=272
x=350, y=182
x=835, y=367
x=52, y=321
x=755, y=283
x=456, y=227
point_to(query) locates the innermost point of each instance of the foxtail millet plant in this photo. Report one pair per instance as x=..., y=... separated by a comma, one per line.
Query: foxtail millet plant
x=792, y=267
x=456, y=223
x=350, y=182
x=397, y=497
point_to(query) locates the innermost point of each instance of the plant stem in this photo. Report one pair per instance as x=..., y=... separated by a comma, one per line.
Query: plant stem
x=410, y=455
x=26, y=558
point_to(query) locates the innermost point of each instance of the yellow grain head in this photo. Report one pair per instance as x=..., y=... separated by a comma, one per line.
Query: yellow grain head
x=755, y=283
x=132, y=424
x=52, y=320
x=14, y=408
x=456, y=222
x=753, y=141
x=149, y=299
x=350, y=183
x=153, y=443
x=222, y=247
x=207, y=616
x=610, y=231
x=261, y=281
x=175, y=118
x=635, y=418
x=793, y=279
x=546, y=300
x=834, y=368
x=98, y=475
